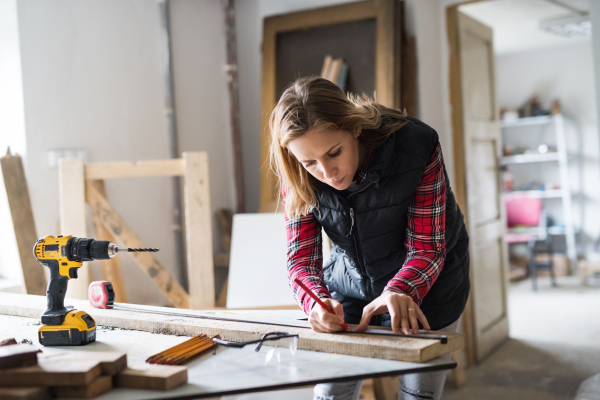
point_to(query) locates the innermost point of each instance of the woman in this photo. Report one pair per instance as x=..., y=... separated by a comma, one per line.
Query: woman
x=375, y=180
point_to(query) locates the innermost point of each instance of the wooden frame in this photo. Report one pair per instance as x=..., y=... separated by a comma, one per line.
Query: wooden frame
x=80, y=183
x=387, y=60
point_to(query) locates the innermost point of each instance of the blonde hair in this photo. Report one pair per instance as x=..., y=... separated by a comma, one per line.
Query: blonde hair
x=316, y=104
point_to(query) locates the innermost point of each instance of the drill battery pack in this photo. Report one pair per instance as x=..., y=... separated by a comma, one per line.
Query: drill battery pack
x=78, y=329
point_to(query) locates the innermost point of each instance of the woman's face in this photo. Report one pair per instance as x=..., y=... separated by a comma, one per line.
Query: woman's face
x=330, y=156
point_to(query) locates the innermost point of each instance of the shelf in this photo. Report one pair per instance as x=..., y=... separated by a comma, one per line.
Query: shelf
x=552, y=230
x=529, y=121
x=543, y=194
x=529, y=158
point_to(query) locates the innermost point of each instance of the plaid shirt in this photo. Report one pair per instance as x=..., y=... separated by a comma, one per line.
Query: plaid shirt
x=425, y=241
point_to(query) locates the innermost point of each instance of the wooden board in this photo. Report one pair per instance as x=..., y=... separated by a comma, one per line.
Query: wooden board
x=152, y=377
x=357, y=344
x=72, y=216
x=19, y=203
x=115, y=224
x=53, y=370
x=99, y=386
x=127, y=169
x=198, y=231
x=17, y=355
x=35, y=393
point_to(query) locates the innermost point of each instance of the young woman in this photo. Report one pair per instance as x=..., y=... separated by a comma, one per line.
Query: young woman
x=375, y=180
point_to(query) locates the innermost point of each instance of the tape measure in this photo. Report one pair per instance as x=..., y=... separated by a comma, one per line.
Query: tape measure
x=101, y=294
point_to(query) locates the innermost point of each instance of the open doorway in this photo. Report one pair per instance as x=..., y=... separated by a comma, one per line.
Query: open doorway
x=547, y=166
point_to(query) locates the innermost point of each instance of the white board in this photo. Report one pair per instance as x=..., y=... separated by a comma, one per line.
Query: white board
x=258, y=263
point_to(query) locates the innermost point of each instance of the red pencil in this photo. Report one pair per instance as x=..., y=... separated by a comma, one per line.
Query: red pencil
x=318, y=300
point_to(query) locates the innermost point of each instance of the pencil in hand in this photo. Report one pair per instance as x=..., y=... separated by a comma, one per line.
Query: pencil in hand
x=318, y=300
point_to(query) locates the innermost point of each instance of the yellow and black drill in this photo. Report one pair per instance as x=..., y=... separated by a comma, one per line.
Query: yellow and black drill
x=64, y=255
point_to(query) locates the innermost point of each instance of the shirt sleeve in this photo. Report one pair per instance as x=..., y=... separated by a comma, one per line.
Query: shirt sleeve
x=305, y=258
x=425, y=234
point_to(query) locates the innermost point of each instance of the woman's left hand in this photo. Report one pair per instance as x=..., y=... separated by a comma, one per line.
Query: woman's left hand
x=404, y=311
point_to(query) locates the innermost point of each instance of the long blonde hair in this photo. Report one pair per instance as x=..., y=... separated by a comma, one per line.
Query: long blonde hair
x=316, y=104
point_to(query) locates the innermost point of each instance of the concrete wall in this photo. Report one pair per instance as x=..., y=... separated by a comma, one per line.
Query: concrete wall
x=565, y=73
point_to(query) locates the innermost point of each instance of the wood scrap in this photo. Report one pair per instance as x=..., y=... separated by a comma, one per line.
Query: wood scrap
x=99, y=386
x=29, y=393
x=6, y=342
x=17, y=355
x=183, y=352
x=19, y=203
x=152, y=377
x=53, y=370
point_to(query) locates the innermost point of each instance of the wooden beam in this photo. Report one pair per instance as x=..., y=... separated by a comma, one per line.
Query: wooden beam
x=390, y=347
x=234, y=104
x=111, y=269
x=34, y=277
x=72, y=216
x=125, y=236
x=198, y=233
x=127, y=169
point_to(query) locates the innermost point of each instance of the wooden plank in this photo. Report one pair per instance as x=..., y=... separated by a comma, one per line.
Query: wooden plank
x=198, y=231
x=127, y=169
x=18, y=355
x=35, y=393
x=111, y=269
x=125, y=236
x=152, y=377
x=54, y=370
x=72, y=216
x=34, y=277
x=99, y=386
x=386, y=85
x=357, y=344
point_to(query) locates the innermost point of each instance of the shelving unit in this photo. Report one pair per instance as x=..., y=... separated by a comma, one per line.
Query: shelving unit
x=560, y=156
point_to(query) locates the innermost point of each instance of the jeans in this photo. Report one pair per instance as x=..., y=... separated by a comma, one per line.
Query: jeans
x=421, y=386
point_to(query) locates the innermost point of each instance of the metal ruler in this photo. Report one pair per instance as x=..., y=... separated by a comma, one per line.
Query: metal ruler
x=293, y=323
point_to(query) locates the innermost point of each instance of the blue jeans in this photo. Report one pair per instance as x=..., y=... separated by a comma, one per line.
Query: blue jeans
x=422, y=386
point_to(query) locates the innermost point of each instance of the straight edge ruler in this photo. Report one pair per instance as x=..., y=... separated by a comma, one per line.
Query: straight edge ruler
x=296, y=324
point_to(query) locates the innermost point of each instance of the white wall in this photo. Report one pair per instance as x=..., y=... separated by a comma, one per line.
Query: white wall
x=201, y=97
x=565, y=73
x=93, y=78
x=12, y=127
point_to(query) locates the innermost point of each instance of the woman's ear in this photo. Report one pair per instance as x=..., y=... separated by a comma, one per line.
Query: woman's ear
x=357, y=132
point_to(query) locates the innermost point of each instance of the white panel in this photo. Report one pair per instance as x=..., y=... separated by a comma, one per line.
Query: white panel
x=488, y=285
x=257, y=268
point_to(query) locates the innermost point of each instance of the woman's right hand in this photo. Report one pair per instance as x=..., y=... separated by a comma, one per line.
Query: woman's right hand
x=322, y=320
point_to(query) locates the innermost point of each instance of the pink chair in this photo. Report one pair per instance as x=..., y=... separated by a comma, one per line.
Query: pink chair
x=527, y=212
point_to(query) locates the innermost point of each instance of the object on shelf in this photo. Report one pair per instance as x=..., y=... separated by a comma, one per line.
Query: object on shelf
x=335, y=70
x=555, y=107
x=532, y=108
x=507, y=180
x=510, y=115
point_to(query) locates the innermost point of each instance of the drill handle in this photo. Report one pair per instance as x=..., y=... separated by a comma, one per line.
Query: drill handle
x=55, y=295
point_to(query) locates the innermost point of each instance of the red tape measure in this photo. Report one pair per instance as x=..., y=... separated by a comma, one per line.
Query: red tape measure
x=101, y=294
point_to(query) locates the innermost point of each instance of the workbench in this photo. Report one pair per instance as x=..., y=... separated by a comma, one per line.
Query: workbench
x=229, y=371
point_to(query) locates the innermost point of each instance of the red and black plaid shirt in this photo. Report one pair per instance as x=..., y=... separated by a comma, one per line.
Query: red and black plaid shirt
x=425, y=241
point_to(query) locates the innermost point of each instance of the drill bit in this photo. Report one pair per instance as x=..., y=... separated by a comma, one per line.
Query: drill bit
x=138, y=250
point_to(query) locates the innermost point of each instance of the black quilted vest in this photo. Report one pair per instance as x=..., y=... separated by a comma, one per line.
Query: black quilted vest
x=368, y=228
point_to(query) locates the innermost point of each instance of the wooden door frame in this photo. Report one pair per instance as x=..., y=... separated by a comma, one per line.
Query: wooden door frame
x=387, y=71
x=458, y=149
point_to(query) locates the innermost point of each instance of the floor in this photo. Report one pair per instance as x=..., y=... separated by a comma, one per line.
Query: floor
x=554, y=345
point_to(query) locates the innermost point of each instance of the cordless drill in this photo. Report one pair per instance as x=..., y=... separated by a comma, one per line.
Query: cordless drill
x=64, y=255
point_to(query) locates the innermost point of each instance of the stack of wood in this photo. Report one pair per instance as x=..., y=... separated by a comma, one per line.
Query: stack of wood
x=25, y=374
